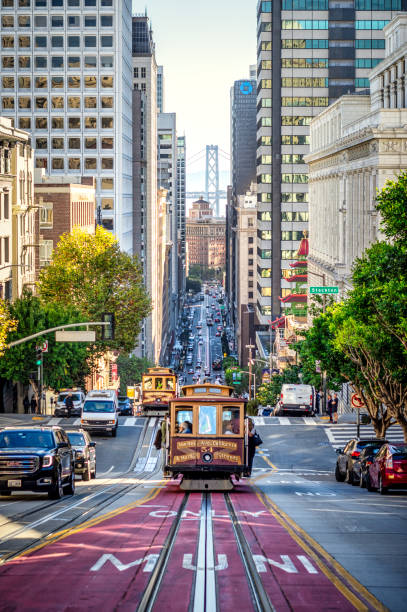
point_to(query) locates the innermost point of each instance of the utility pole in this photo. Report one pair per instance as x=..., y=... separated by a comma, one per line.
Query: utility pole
x=250, y=347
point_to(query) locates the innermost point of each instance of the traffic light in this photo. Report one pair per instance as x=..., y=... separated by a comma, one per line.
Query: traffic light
x=38, y=356
x=108, y=330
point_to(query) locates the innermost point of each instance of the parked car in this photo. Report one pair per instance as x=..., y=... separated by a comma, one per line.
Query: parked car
x=125, y=407
x=348, y=455
x=389, y=468
x=296, y=398
x=217, y=334
x=365, y=460
x=191, y=371
x=38, y=459
x=217, y=320
x=85, y=453
x=78, y=398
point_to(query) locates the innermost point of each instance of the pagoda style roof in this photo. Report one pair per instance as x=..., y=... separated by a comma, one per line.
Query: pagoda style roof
x=299, y=264
x=296, y=278
x=303, y=249
x=294, y=297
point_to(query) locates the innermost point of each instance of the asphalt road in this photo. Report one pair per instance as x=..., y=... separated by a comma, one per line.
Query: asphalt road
x=365, y=532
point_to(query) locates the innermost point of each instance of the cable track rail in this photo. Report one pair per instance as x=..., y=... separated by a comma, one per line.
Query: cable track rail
x=204, y=594
x=77, y=503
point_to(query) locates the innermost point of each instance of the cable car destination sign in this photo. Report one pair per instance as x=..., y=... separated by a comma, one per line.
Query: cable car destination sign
x=324, y=289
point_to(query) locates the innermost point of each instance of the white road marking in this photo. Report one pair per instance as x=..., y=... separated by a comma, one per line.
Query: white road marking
x=309, y=421
x=76, y=422
x=284, y=421
x=53, y=421
x=130, y=422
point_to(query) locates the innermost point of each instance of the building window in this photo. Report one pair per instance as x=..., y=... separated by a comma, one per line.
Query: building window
x=74, y=21
x=74, y=82
x=57, y=123
x=40, y=21
x=57, y=42
x=143, y=73
x=90, y=123
x=90, y=143
x=90, y=41
x=47, y=215
x=74, y=61
x=57, y=102
x=41, y=82
x=24, y=61
x=106, y=41
x=90, y=102
x=304, y=101
x=24, y=102
x=106, y=81
x=106, y=183
x=107, y=122
x=46, y=248
x=58, y=163
x=90, y=81
x=57, y=21
x=107, y=203
x=74, y=42
x=8, y=61
x=74, y=143
x=57, y=82
x=106, y=21
x=90, y=163
x=7, y=42
x=57, y=61
x=7, y=21
x=90, y=61
x=107, y=102
x=40, y=61
x=74, y=163
x=135, y=73
x=24, y=21
x=107, y=163
x=250, y=240
x=41, y=123
x=6, y=205
x=24, y=82
x=107, y=143
x=8, y=103
x=57, y=143
x=74, y=123
x=304, y=24
x=41, y=143
x=106, y=61
x=41, y=162
x=6, y=250
x=74, y=102
x=370, y=24
x=24, y=123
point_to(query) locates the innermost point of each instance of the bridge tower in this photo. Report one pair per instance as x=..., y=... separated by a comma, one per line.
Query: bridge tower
x=212, y=177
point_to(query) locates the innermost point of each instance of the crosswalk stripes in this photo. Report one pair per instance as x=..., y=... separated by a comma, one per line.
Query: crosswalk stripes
x=126, y=422
x=339, y=435
x=259, y=420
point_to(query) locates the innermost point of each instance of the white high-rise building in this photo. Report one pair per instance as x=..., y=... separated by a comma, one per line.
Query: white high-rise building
x=67, y=78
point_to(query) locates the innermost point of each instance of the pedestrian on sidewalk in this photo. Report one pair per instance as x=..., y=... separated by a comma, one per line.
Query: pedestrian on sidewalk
x=69, y=404
x=318, y=397
x=334, y=408
x=33, y=404
x=329, y=406
x=26, y=404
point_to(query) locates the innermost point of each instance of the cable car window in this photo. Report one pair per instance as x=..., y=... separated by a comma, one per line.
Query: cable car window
x=159, y=383
x=207, y=420
x=148, y=383
x=231, y=421
x=183, y=421
x=169, y=384
x=215, y=390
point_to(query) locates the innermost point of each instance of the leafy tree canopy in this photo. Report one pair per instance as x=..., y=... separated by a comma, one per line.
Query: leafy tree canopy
x=7, y=325
x=193, y=284
x=131, y=369
x=391, y=202
x=65, y=363
x=92, y=273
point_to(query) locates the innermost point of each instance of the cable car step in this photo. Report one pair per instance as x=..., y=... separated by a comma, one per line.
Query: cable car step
x=206, y=484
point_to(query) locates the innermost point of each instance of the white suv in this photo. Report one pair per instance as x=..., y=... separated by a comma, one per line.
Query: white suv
x=100, y=412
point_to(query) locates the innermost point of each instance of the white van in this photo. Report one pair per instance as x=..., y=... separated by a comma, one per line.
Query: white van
x=296, y=398
x=100, y=411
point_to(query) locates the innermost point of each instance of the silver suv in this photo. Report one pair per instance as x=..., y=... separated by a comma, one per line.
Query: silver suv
x=78, y=398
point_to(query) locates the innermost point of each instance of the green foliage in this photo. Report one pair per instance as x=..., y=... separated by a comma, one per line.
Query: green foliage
x=391, y=202
x=252, y=407
x=193, y=284
x=229, y=362
x=203, y=273
x=65, y=363
x=7, y=325
x=130, y=370
x=91, y=273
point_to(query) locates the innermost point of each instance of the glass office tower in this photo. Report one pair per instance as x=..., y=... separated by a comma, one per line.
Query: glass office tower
x=310, y=52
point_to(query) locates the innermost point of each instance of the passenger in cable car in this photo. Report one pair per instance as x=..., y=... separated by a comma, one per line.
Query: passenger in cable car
x=186, y=428
x=227, y=428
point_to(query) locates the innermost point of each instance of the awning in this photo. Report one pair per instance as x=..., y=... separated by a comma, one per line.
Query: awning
x=294, y=297
x=299, y=264
x=297, y=278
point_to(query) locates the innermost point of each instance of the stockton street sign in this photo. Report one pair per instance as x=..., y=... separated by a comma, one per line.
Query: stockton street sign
x=324, y=289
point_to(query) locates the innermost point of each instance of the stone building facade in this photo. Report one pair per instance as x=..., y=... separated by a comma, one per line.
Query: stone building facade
x=357, y=144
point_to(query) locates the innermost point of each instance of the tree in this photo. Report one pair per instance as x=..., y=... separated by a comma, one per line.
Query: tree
x=193, y=284
x=95, y=276
x=269, y=393
x=7, y=325
x=65, y=364
x=391, y=202
x=131, y=369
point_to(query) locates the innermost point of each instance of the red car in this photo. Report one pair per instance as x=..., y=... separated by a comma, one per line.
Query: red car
x=217, y=320
x=217, y=334
x=389, y=469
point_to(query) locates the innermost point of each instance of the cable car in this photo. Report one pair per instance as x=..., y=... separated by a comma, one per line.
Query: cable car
x=207, y=447
x=158, y=387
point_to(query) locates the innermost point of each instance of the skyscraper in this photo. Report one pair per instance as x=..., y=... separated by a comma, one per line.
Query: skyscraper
x=66, y=78
x=181, y=212
x=319, y=50
x=145, y=80
x=160, y=89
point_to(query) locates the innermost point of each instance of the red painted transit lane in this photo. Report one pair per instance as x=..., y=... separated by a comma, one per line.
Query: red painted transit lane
x=175, y=593
x=292, y=578
x=105, y=566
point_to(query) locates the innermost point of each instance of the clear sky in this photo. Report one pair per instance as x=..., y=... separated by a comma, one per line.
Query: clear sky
x=204, y=46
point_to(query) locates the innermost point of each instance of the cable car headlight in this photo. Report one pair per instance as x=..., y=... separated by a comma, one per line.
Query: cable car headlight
x=207, y=457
